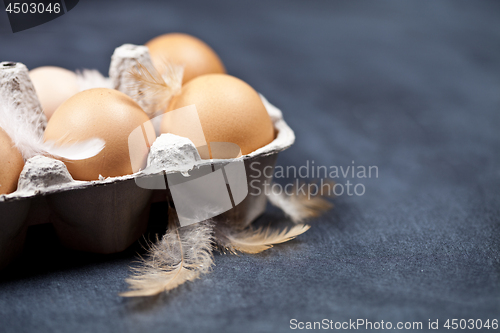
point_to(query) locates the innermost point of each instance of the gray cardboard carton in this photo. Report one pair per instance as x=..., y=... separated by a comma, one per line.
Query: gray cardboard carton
x=108, y=215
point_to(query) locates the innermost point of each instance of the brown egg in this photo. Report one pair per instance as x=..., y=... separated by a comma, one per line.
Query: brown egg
x=53, y=86
x=106, y=114
x=11, y=164
x=229, y=111
x=197, y=57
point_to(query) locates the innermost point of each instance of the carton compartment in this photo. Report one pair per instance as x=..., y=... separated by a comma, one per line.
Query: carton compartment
x=105, y=218
x=13, y=226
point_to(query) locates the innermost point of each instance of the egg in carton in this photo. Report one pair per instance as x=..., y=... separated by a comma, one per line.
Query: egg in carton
x=109, y=214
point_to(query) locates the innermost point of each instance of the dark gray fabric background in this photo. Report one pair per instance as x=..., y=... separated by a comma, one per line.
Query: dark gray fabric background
x=410, y=87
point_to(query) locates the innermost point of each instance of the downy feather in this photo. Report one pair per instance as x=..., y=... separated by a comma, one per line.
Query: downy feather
x=30, y=143
x=157, y=86
x=182, y=254
x=255, y=240
x=76, y=151
x=299, y=206
x=91, y=78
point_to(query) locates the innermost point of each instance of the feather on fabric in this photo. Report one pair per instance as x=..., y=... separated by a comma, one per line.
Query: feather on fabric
x=299, y=206
x=255, y=240
x=182, y=254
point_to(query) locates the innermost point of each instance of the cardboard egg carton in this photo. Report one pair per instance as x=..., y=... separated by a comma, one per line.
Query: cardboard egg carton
x=109, y=214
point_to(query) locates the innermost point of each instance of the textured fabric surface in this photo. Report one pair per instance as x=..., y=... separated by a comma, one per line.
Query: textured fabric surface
x=412, y=88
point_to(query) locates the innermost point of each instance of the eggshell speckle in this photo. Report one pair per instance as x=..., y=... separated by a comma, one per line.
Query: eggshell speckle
x=11, y=164
x=106, y=114
x=197, y=57
x=53, y=85
x=229, y=110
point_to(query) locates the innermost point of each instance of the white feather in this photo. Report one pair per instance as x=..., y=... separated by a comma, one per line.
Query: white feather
x=29, y=143
x=76, y=151
x=91, y=78
x=300, y=206
x=19, y=129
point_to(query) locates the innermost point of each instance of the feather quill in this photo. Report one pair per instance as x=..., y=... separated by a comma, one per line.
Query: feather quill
x=157, y=87
x=182, y=254
x=301, y=206
x=255, y=240
x=29, y=143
